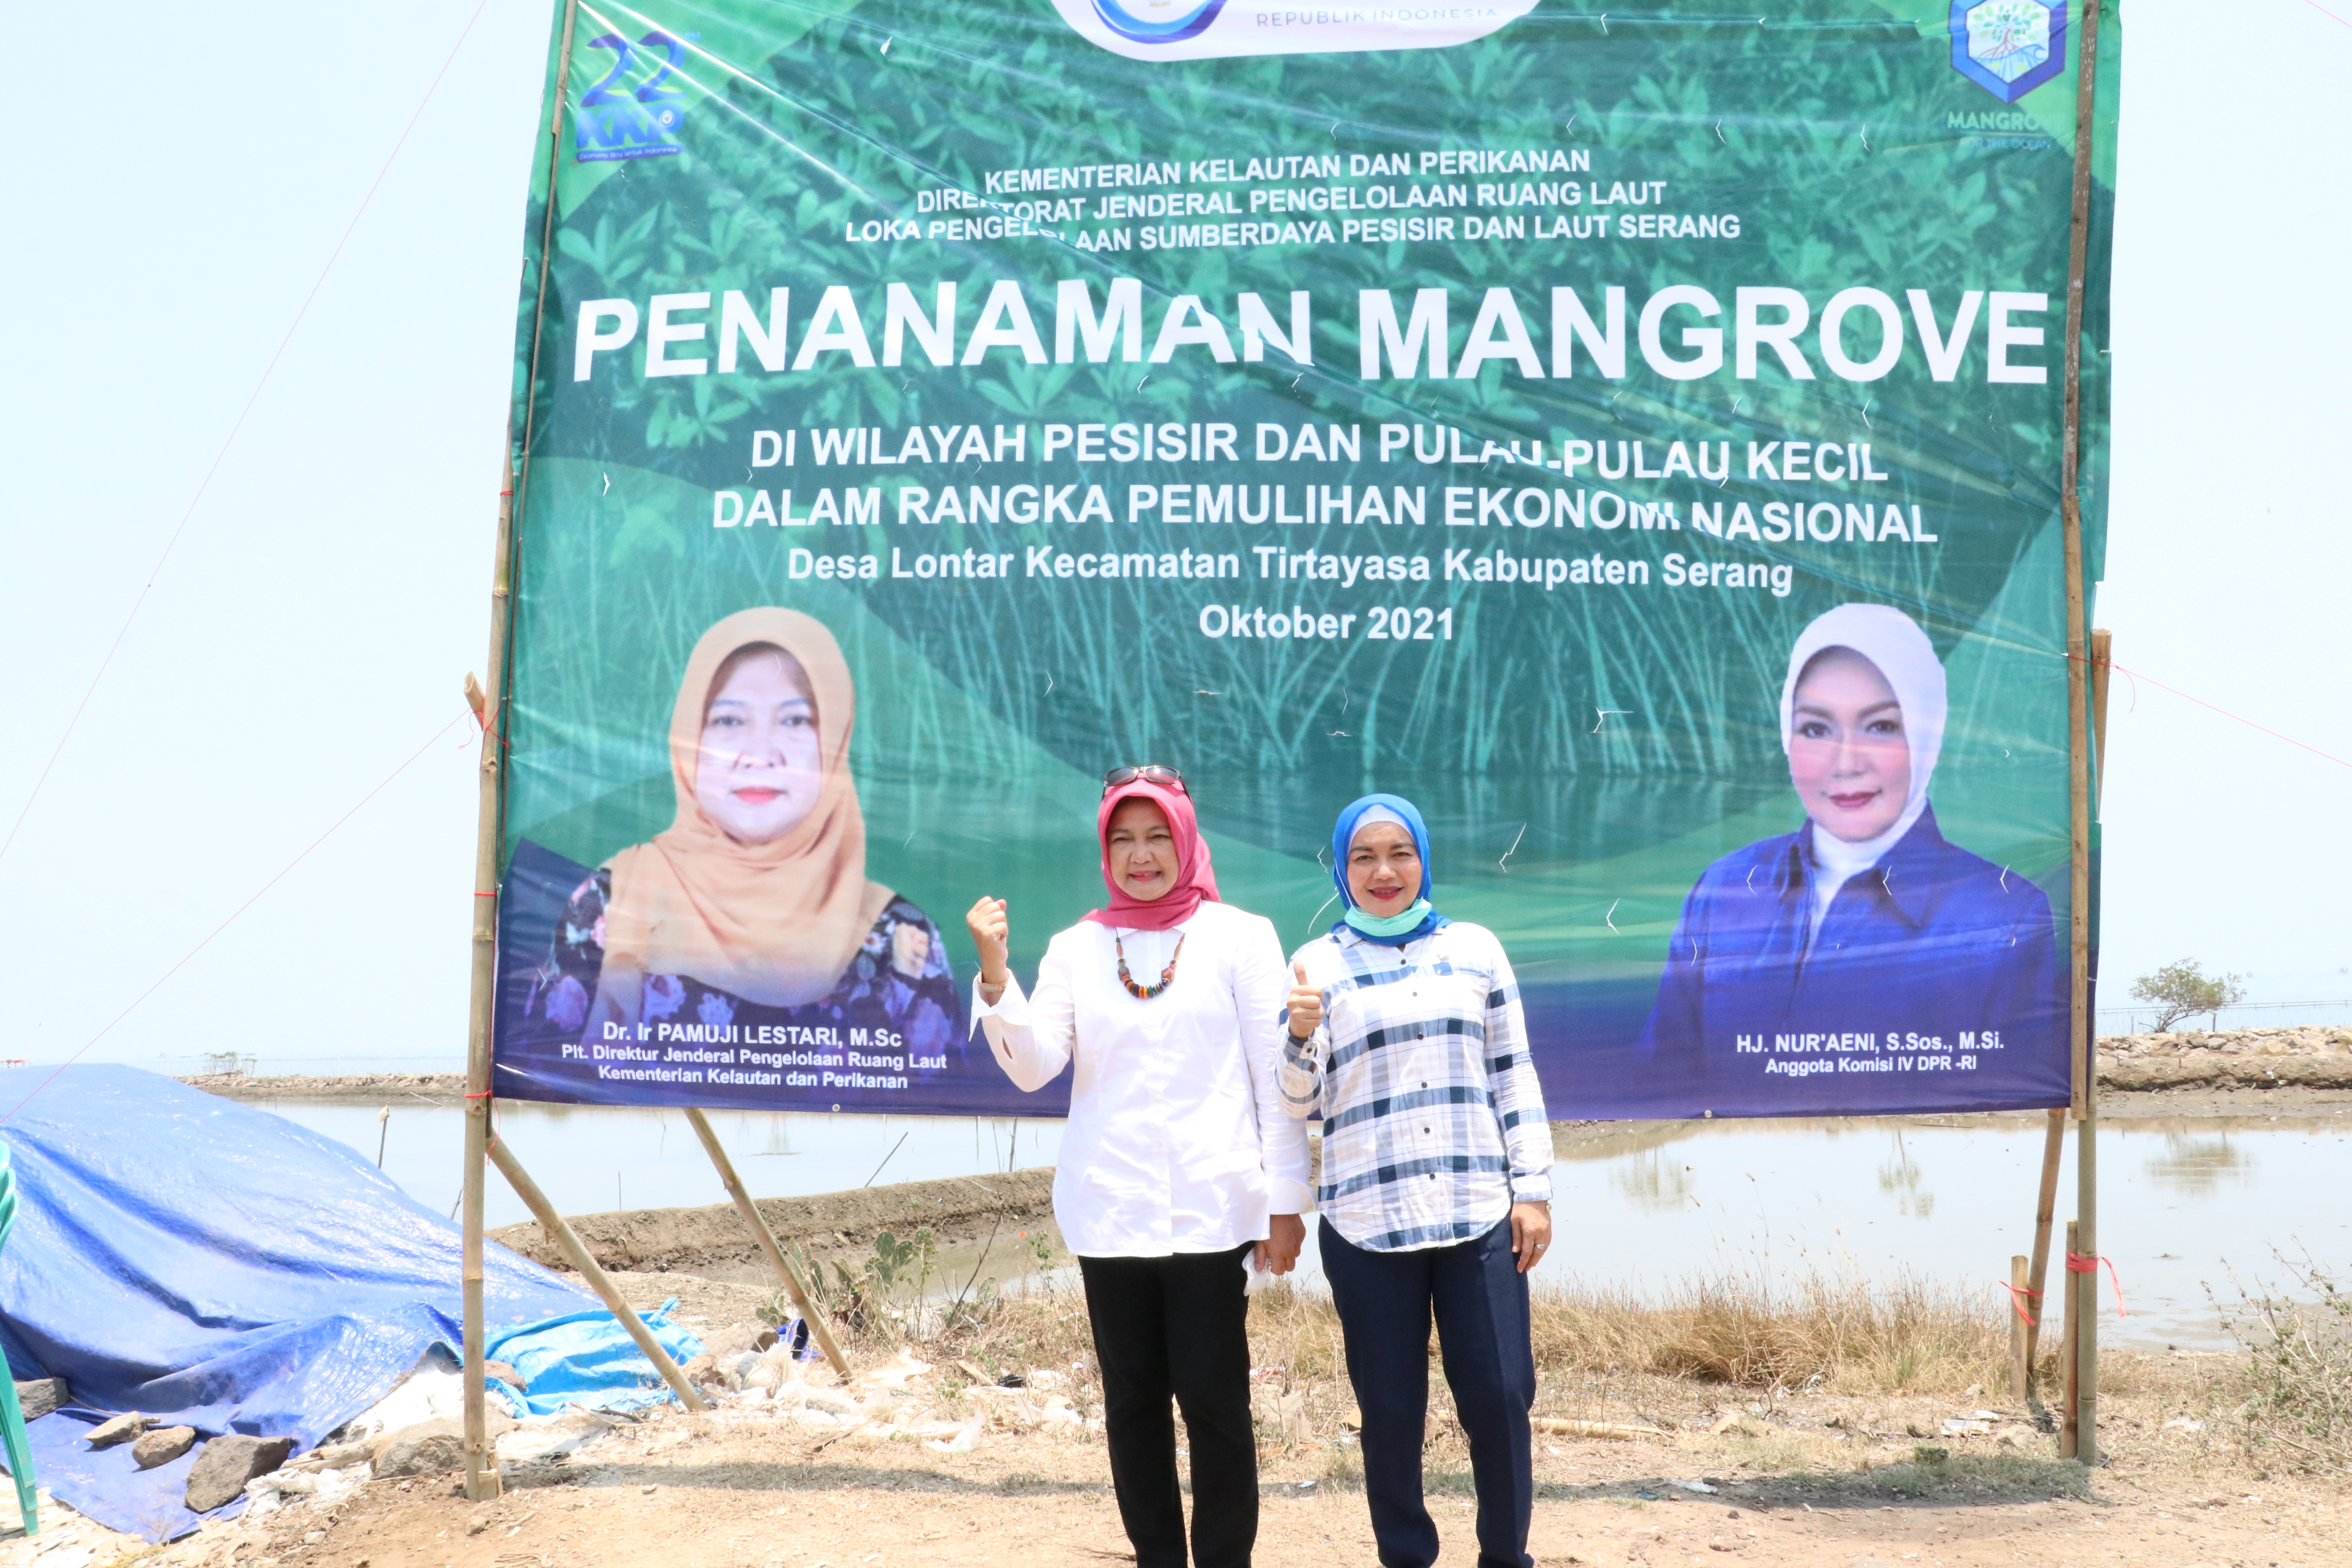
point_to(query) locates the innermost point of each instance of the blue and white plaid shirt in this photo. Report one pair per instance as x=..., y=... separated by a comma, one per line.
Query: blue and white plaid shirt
x=1434, y=1123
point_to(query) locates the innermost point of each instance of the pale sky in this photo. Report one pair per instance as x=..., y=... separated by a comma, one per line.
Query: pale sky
x=316, y=615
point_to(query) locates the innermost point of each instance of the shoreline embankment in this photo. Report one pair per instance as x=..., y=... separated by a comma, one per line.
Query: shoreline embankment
x=2312, y=1056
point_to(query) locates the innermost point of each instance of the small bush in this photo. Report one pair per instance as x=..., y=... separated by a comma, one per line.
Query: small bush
x=2299, y=1412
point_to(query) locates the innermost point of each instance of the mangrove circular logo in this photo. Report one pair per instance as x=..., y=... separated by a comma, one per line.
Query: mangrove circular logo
x=2009, y=47
x=1158, y=21
x=1218, y=29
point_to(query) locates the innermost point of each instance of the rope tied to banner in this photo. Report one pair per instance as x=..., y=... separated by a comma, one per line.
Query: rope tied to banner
x=489, y=1094
x=2018, y=1297
x=2078, y=1264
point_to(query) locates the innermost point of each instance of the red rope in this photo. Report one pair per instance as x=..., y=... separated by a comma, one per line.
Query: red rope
x=2217, y=708
x=2018, y=1296
x=2078, y=1264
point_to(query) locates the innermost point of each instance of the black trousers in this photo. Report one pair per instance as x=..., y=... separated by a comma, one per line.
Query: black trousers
x=1480, y=1298
x=1177, y=1326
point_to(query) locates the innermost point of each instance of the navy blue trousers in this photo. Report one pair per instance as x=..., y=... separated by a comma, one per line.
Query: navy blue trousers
x=1480, y=1300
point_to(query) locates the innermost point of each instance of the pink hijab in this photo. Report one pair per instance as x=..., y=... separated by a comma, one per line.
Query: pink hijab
x=1195, y=882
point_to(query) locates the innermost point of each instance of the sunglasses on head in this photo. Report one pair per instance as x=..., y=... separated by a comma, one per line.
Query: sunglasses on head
x=1148, y=773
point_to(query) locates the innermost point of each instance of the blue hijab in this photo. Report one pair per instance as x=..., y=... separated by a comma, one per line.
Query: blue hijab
x=1343, y=836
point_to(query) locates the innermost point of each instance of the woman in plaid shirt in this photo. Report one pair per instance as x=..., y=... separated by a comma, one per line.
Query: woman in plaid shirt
x=1406, y=1036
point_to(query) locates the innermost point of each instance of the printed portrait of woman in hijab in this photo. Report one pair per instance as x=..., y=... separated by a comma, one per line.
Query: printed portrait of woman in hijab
x=752, y=908
x=1865, y=934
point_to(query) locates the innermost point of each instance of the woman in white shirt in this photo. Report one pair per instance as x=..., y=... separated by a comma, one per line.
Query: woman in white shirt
x=1178, y=1162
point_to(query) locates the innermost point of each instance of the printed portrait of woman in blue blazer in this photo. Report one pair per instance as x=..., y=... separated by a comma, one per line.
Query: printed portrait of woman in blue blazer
x=1865, y=960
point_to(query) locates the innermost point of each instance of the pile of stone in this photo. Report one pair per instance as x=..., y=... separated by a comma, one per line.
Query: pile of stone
x=234, y=1463
x=2313, y=1056
x=223, y=1465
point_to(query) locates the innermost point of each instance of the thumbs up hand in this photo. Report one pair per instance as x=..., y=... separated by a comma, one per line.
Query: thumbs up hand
x=1306, y=1005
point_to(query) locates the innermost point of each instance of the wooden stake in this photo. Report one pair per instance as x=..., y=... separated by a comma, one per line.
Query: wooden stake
x=591, y=1270
x=2054, y=1148
x=2020, y=1342
x=486, y=699
x=2069, y=1428
x=767, y=1241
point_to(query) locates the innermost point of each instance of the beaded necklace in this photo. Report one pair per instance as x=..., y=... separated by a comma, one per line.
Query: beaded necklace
x=1145, y=993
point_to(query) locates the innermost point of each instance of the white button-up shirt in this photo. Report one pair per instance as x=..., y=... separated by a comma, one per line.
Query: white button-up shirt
x=1177, y=1138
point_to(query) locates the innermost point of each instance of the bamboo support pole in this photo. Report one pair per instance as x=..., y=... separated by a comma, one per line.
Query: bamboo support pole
x=2021, y=1332
x=2083, y=1299
x=767, y=1241
x=481, y=1466
x=591, y=1270
x=2081, y=1405
x=488, y=701
x=2053, y=1149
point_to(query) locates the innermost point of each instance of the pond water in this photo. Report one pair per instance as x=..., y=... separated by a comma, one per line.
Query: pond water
x=2185, y=1203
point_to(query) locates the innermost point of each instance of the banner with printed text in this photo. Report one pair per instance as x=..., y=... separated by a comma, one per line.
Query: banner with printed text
x=1634, y=438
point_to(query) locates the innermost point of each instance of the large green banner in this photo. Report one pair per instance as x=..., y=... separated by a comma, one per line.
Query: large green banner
x=1633, y=437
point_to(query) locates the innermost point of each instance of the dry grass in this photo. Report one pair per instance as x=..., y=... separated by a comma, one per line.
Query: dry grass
x=1841, y=1335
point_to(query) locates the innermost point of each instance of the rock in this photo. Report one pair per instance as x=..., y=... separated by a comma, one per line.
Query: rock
x=223, y=1465
x=498, y=1371
x=430, y=1447
x=42, y=1395
x=120, y=1429
x=162, y=1446
x=342, y=1456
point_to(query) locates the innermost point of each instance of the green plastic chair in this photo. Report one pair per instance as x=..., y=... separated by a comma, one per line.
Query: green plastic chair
x=12, y=1414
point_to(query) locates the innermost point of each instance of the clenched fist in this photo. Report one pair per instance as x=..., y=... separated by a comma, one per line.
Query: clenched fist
x=991, y=933
x=1306, y=1005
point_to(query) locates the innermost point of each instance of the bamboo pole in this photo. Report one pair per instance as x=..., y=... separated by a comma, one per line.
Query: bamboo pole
x=2053, y=1149
x=2021, y=1341
x=2083, y=1400
x=767, y=1241
x=481, y=1467
x=489, y=707
x=591, y=1270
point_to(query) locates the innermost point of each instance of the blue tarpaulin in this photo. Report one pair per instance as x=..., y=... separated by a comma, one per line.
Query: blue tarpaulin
x=217, y=1267
x=587, y=1359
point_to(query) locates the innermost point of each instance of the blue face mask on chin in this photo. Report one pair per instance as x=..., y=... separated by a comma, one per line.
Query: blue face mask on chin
x=1397, y=924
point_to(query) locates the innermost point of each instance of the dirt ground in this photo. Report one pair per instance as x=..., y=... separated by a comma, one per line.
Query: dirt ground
x=1807, y=1478
x=1851, y=1483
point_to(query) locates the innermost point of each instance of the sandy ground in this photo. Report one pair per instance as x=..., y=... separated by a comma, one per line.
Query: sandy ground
x=736, y=1487
x=1811, y=1479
